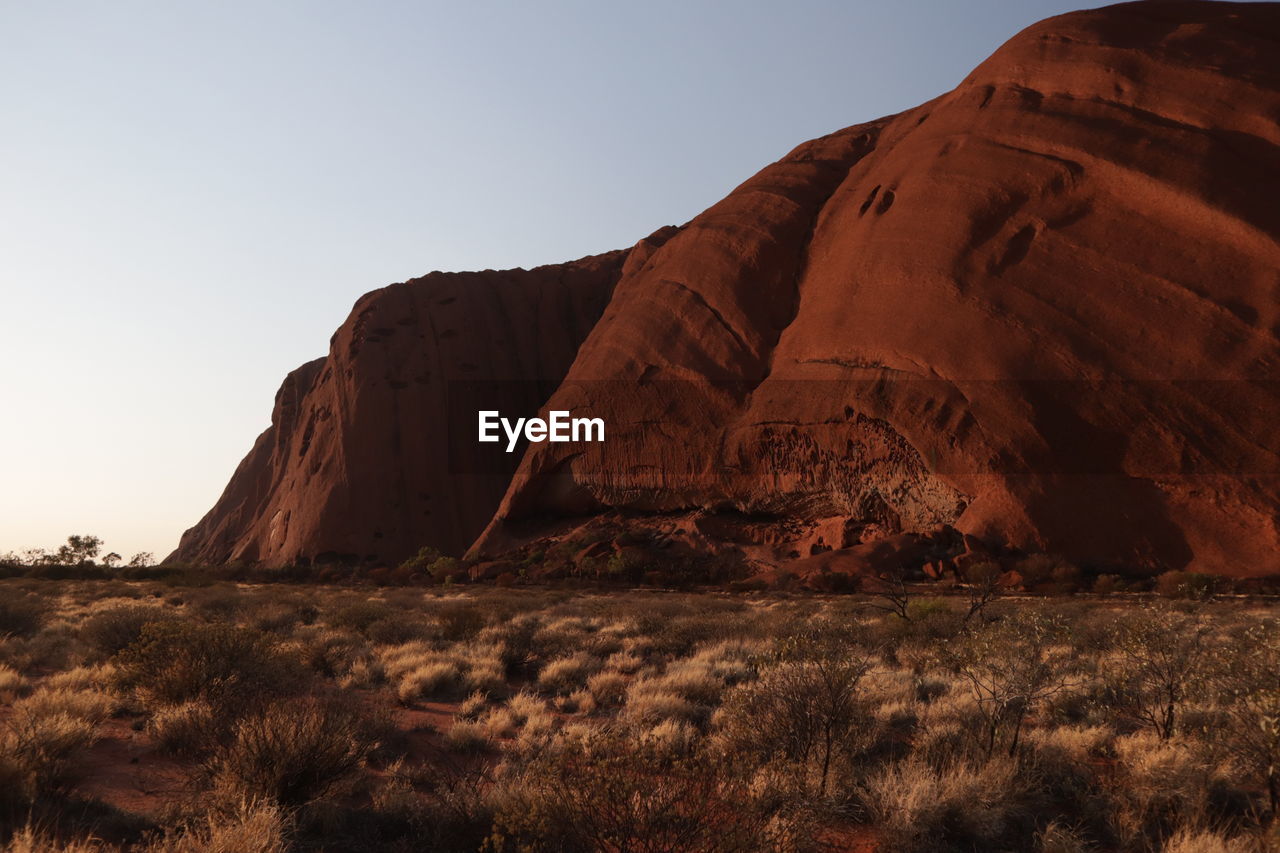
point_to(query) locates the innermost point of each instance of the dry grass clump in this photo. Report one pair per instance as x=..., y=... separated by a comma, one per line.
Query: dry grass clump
x=671, y=738
x=1166, y=783
x=959, y=806
x=245, y=828
x=81, y=678
x=473, y=705
x=608, y=688
x=29, y=839
x=458, y=620
x=686, y=690
x=1079, y=744
x=567, y=674
x=515, y=641
x=577, y=702
x=92, y=706
x=358, y=615
x=650, y=703
x=1207, y=841
x=564, y=636
x=469, y=736
x=627, y=662
x=694, y=679
x=278, y=617
x=188, y=730
x=1060, y=838
x=437, y=679
x=524, y=713
x=54, y=645
x=12, y=684
x=43, y=737
x=484, y=670
x=421, y=672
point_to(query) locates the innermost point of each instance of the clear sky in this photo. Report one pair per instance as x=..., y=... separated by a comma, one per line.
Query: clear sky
x=192, y=195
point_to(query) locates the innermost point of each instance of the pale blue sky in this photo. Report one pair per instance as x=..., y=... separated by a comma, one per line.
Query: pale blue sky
x=192, y=195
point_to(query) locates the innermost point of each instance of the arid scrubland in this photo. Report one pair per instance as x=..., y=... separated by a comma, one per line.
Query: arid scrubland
x=143, y=716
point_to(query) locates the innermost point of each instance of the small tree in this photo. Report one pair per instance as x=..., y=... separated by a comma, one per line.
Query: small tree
x=78, y=551
x=421, y=561
x=891, y=590
x=1162, y=658
x=805, y=707
x=1011, y=666
x=983, y=583
x=142, y=560
x=444, y=569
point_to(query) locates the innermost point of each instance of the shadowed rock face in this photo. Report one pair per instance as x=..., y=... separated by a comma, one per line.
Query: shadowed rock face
x=1043, y=308
x=356, y=466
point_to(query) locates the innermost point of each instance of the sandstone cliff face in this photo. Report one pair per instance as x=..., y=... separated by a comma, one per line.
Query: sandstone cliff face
x=1043, y=308
x=357, y=465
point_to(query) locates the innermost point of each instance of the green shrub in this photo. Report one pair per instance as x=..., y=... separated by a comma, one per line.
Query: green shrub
x=422, y=561
x=444, y=568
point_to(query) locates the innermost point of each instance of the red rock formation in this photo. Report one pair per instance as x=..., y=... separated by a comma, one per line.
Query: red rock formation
x=215, y=537
x=357, y=465
x=1043, y=308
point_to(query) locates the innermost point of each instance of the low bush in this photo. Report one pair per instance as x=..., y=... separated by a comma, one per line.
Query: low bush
x=294, y=752
x=110, y=631
x=228, y=667
x=189, y=730
x=20, y=616
x=359, y=615
x=459, y=622
x=610, y=795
